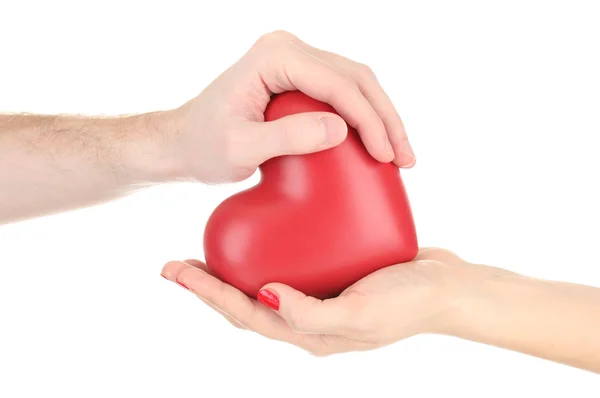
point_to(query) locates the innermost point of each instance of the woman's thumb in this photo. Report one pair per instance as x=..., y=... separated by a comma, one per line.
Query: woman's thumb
x=302, y=313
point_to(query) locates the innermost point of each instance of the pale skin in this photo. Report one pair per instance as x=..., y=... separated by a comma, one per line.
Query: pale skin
x=57, y=163
x=437, y=293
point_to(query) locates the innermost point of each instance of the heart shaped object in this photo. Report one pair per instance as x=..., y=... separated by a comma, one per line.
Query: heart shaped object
x=316, y=222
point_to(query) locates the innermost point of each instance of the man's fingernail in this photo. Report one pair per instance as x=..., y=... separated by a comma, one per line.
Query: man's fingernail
x=389, y=149
x=409, y=152
x=268, y=298
x=335, y=130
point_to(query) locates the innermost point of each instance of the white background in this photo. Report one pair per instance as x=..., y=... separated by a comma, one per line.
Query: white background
x=501, y=102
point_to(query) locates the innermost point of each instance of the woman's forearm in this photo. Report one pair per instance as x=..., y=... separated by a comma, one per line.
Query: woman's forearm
x=557, y=321
x=55, y=163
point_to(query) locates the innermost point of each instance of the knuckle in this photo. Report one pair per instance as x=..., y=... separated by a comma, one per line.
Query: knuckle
x=427, y=262
x=350, y=88
x=426, y=267
x=437, y=255
x=323, y=346
x=275, y=38
x=319, y=353
x=318, y=350
x=349, y=83
x=264, y=42
x=283, y=34
x=365, y=73
x=433, y=251
x=342, y=89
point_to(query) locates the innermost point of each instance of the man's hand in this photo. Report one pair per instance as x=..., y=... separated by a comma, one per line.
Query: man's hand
x=221, y=134
x=52, y=163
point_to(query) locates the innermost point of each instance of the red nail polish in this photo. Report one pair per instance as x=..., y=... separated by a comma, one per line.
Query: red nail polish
x=182, y=284
x=268, y=298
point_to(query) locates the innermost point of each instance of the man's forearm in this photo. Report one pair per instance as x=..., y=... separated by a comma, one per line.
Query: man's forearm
x=56, y=163
x=553, y=320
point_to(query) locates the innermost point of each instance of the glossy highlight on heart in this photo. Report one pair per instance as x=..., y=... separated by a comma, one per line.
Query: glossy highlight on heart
x=317, y=222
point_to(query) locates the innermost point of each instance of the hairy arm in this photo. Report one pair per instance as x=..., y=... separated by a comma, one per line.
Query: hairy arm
x=55, y=163
x=557, y=321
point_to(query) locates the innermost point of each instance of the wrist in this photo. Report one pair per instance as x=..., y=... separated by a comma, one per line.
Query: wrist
x=472, y=297
x=152, y=153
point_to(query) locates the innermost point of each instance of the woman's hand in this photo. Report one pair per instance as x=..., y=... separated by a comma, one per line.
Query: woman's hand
x=436, y=293
x=389, y=305
x=221, y=136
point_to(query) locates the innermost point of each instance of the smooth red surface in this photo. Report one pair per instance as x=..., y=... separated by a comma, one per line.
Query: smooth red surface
x=316, y=222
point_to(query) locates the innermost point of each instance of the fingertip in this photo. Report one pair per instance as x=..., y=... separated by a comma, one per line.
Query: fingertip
x=172, y=269
x=268, y=297
x=282, y=290
x=381, y=153
x=274, y=285
x=197, y=264
x=378, y=146
x=336, y=129
x=405, y=161
x=189, y=277
x=408, y=155
x=388, y=148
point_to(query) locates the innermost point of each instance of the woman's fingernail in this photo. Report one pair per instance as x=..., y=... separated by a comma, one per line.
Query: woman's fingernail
x=268, y=298
x=180, y=283
x=409, y=152
x=164, y=276
x=389, y=149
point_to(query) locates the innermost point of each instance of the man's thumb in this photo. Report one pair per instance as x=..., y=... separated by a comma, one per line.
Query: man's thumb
x=298, y=134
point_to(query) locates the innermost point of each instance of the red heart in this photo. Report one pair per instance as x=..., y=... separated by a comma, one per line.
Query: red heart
x=316, y=222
